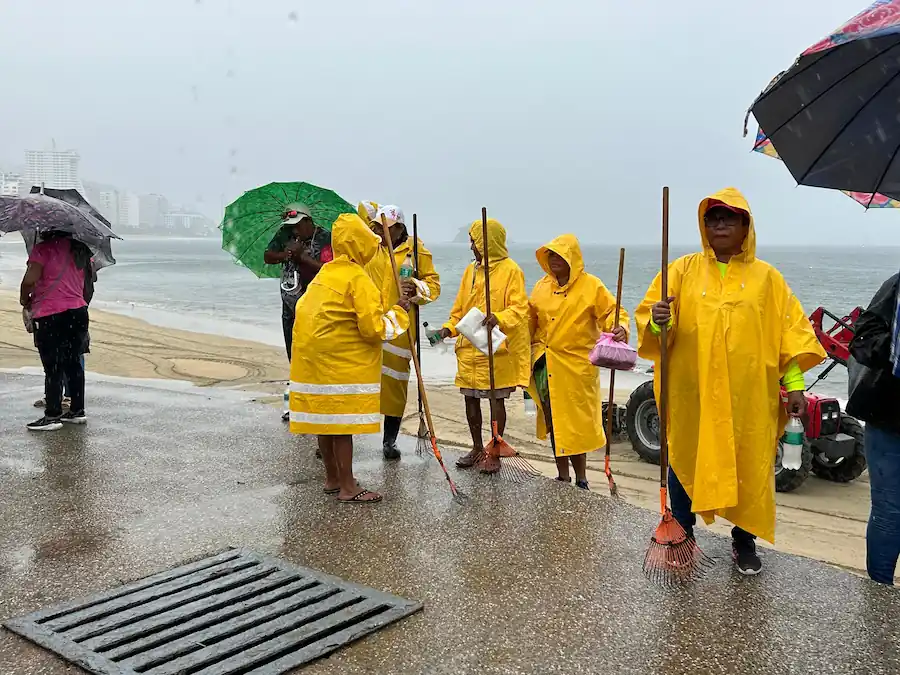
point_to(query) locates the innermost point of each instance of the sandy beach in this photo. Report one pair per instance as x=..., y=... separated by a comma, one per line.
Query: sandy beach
x=821, y=520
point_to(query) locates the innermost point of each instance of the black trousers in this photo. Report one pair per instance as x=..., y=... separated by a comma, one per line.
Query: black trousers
x=287, y=325
x=60, y=340
x=681, y=509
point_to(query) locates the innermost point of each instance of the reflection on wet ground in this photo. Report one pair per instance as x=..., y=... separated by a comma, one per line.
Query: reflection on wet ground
x=538, y=577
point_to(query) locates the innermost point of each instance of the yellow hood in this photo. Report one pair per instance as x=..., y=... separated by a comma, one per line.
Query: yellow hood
x=567, y=247
x=352, y=239
x=367, y=210
x=496, y=239
x=733, y=198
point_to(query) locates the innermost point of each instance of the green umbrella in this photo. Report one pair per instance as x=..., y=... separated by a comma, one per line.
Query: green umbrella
x=253, y=219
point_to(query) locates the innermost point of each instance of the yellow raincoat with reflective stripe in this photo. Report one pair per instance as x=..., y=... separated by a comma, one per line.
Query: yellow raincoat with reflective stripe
x=338, y=330
x=731, y=341
x=509, y=302
x=397, y=355
x=566, y=322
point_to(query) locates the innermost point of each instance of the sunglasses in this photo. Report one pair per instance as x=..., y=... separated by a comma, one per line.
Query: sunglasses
x=723, y=217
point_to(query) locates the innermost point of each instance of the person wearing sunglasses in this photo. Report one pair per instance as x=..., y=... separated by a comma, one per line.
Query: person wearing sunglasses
x=735, y=333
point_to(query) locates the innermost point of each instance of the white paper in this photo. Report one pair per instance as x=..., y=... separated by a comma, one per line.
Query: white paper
x=471, y=328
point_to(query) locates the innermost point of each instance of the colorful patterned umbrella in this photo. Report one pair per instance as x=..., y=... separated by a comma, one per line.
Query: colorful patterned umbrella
x=832, y=116
x=868, y=199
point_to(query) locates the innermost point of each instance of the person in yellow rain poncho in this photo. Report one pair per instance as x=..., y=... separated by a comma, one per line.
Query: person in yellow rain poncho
x=509, y=308
x=735, y=330
x=426, y=288
x=569, y=310
x=336, y=355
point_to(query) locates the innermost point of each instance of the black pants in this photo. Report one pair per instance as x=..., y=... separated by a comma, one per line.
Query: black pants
x=287, y=325
x=391, y=429
x=61, y=339
x=681, y=509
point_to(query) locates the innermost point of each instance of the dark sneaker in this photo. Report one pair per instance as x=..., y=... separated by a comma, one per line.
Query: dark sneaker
x=45, y=424
x=74, y=418
x=582, y=484
x=391, y=451
x=743, y=552
x=285, y=417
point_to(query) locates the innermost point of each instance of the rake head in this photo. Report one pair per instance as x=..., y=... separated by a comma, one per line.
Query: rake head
x=673, y=557
x=502, y=460
x=423, y=440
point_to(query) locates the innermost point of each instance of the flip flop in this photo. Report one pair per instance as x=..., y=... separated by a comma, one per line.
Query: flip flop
x=356, y=498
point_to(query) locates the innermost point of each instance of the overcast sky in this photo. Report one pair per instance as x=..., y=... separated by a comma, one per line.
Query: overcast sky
x=562, y=115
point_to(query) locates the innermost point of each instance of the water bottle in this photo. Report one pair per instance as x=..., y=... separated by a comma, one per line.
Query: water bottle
x=435, y=339
x=530, y=407
x=406, y=269
x=792, y=445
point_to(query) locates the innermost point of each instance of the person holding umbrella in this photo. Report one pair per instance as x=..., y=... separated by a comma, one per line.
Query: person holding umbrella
x=427, y=288
x=336, y=360
x=52, y=295
x=735, y=330
x=301, y=249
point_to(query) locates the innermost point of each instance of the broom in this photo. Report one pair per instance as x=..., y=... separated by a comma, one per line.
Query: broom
x=610, y=409
x=515, y=469
x=459, y=496
x=672, y=557
x=423, y=445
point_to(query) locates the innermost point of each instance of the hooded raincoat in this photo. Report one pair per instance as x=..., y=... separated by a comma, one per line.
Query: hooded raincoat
x=395, y=368
x=339, y=328
x=566, y=322
x=731, y=340
x=509, y=302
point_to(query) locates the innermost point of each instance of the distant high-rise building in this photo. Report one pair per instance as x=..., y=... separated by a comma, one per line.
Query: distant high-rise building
x=129, y=210
x=10, y=184
x=53, y=168
x=154, y=209
x=108, y=205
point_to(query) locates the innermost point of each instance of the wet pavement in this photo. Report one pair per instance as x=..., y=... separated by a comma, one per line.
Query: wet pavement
x=540, y=578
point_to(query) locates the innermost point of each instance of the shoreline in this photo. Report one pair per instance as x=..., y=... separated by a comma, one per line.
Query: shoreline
x=822, y=520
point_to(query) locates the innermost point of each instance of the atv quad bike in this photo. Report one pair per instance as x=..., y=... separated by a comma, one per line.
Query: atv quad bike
x=833, y=447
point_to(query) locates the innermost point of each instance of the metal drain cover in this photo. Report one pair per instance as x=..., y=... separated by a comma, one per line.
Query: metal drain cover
x=236, y=612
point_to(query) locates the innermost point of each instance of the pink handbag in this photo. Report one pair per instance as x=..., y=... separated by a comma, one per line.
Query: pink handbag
x=608, y=353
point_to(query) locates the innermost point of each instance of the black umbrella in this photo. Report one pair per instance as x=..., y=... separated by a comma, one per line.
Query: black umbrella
x=834, y=116
x=103, y=255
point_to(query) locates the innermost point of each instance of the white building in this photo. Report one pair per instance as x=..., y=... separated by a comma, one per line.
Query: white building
x=10, y=184
x=154, y=209
x=129, y=211
x=108, y=205
x=53, y=168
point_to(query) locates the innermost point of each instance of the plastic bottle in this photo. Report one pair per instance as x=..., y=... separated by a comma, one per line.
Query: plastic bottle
x=530, y=407
x=406, y=269
x=792, y=445
x=435, y=339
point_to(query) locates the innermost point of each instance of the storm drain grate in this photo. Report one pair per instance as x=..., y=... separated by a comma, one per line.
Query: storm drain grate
x=236, y=612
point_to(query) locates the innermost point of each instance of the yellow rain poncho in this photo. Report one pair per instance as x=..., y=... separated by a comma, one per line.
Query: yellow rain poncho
x=395, y=369
x=509, y=303
x=731, y=340
x=566, y=322
x=339, y=327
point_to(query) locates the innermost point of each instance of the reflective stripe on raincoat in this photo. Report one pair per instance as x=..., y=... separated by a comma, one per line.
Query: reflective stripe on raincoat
x=566, y=322
x=731, y=340
x=338, y=331
x=509, y=302
x=396, y=364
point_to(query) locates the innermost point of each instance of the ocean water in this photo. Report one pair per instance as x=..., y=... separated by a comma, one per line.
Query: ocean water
x=193, y=284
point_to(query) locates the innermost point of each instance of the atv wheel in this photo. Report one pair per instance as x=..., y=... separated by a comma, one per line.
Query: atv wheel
x=788, y=480
x=642, y=423
x=847, y=468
